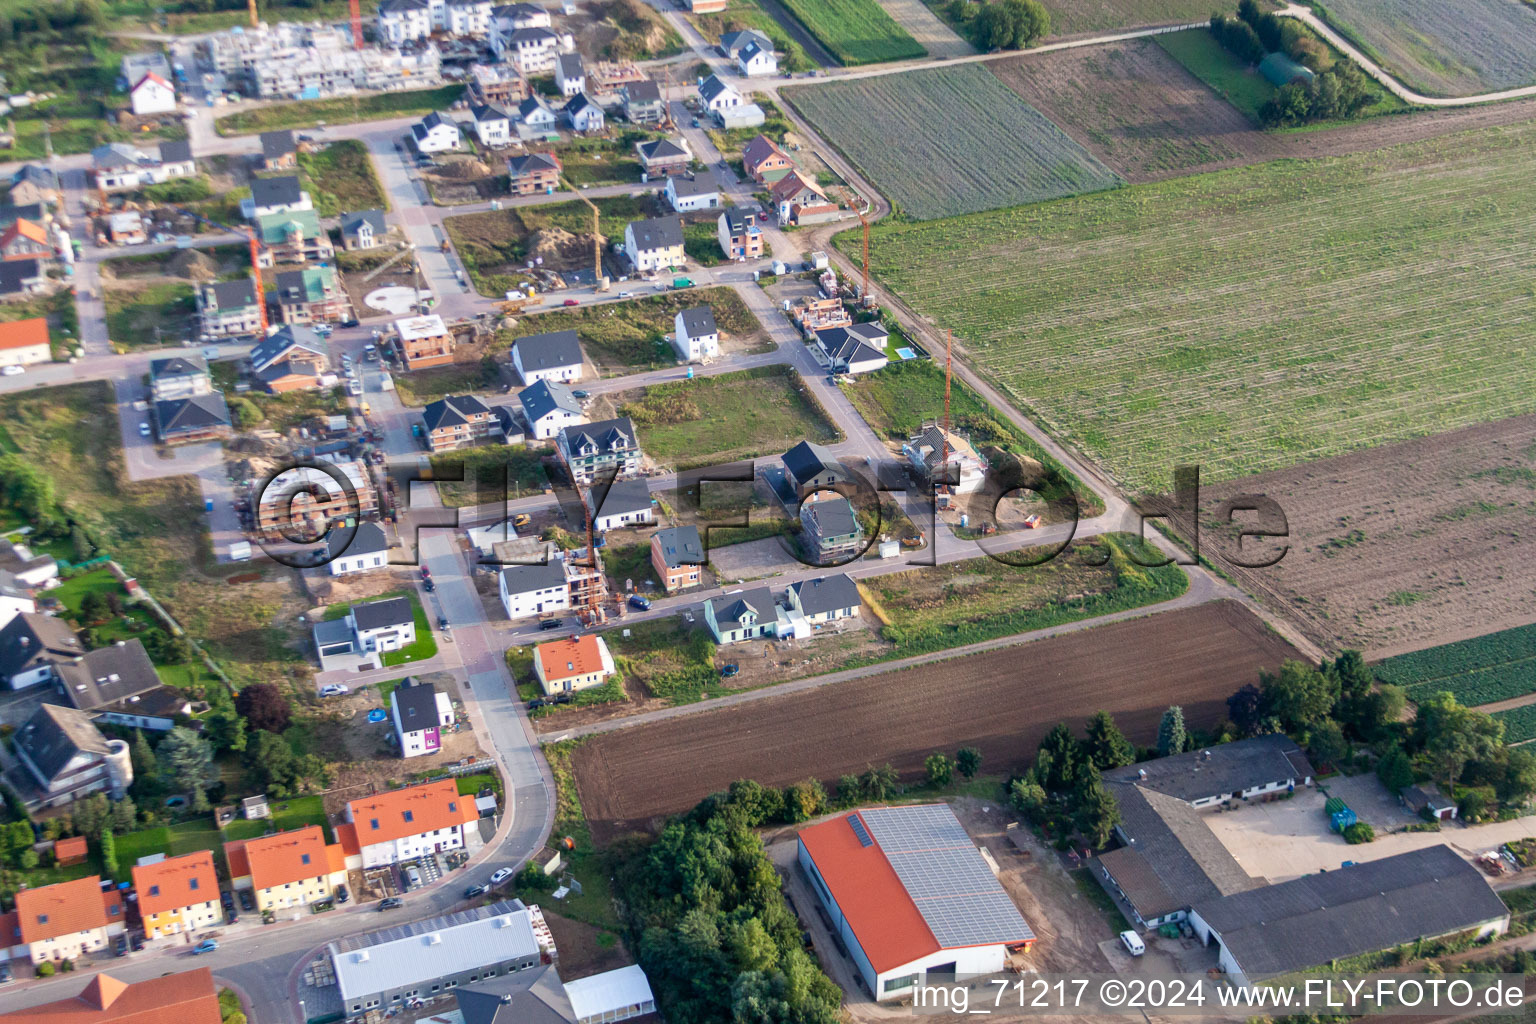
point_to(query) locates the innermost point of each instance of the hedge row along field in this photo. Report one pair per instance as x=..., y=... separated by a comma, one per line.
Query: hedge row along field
x=966, y=141
x=1251, y=319
x=1482, y=670
x=1445, y=47
x=856, y=31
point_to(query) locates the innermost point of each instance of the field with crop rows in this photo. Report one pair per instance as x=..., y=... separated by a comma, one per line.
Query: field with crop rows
x=968, y=142
x=1076, y=17
x=1519, y=723
x=1250, y=319
x=1478, y=671
x=1448, y=48
x=856, y=31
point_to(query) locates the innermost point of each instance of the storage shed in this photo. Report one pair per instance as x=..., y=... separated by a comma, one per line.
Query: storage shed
x=1282, y=70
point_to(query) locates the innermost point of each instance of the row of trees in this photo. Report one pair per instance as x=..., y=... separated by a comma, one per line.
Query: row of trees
x=1064, y=790
x=1002, y=24
x=1336, y=90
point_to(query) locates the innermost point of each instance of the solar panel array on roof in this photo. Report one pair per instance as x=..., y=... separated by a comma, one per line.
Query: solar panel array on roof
x=951, y=886
x=859, y=830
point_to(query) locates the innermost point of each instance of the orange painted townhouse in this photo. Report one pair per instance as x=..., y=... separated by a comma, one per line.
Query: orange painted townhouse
x=178, y=894
x=765, y=162
x=572, y=663
x=287, y=870
x=24, y=342
x=65, y=920
x=677, y=556
x=25, y=240
x=185, y=997
x=403, y=824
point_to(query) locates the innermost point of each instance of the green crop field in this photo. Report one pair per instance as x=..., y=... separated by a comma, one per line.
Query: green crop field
x=856, y=31
x=1206, y=59
x=1482, y=670
x=1519, y=723
x=1450, y=48
x=968, y=142
x=1250, y=319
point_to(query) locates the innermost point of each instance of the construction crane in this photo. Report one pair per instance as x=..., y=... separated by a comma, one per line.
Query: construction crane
x=250, y=234
x=597, y=239
x=590, y=609
x=357, y=24
x=942, y=498
x=255, y=18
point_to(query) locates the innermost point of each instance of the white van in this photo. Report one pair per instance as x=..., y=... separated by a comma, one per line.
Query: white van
x=1133, y=943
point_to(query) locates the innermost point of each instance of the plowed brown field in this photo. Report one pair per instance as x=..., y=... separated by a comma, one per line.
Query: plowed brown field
x=1001, y=702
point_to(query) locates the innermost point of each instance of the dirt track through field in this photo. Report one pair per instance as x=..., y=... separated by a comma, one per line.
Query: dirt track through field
x=932, y=34
x=1002, y=702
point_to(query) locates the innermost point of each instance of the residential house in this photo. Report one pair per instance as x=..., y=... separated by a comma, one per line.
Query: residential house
x=282, y=194
x=742, y=615
x=695, y=336
x=686, y=193
x=66, y=758
x=496, y=84
x=404, y=824
x=553, y=356
x=755, y=60
x=186, y=997
x=583, y=114
x=677, y=556
x=523, y=15
x=549, y=407
x=660, y=157
x=798, y=200
x=279, y=152
x=119, y=167
x=403, y=21
x=228, y=309
x=534, y=589
x=764, y=162
x=493, y=125
x=739, y=233
x=533, y=173
x=362, y=549
x=628, y=503
x=293, y=238
x=825, y=598
x=381, y=626
x=811, y=467
x=856, y=348
x=570, y=75
x=435, y=133
x=179, y=377
x=931, y=450
x=152, y=95
x=25, y=240
x=291, y=358
x=25, y=342
x=468, y=18
x=312, y=295
x=732, y=43
x=178, y=895
x=363, y=229
x=136, y=65
x=597, y=449
x=316, y=496
x=15, y=598
x=572, y=663
x=423, y=341
x=420, y=712
x=829, y=531
x=812, y=314
x=110, y=675
x=66, y=920
x=532, y=50
x=18, y=560
x=535, y=119
x=193, y=419
x=457, y=421
x=654, y=244
x=718, y=96
x=643, y=103
x=175, y=162
x=126, y=228
x=37, y=213
x=33, y=183
x=287, y=870
x=22, y=279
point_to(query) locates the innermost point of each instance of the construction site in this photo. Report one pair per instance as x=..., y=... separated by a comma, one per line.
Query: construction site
x=314, y=61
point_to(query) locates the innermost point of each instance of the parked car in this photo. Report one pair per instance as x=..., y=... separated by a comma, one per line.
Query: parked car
x=247, y=901
x=120, y=946
x=351, y=323
x=391, y=903
x=426, y=573
x=550, y=624
x=137, y=942
x=342, y=895
x=5, y=973
x=428, y=586
x=581, y=394
x=536, y=703
x=228, y=899
x=143, y=429
x=642, y=603
x=501, y=875
x=726, y=671
x=571, y=302
x=442, y=622
x=562, y=698
x=333, y=689
x=13, y=370
x=476, y=890
x=206, y=946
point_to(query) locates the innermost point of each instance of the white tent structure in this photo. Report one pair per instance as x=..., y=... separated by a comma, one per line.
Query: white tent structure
x=611, y=996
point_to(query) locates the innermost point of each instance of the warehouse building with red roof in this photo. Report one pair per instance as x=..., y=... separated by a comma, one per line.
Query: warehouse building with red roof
x=910, y=897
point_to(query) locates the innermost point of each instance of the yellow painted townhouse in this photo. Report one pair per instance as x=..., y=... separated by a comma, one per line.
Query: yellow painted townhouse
x=178, y=894
x=65, y=920
x=287, y=870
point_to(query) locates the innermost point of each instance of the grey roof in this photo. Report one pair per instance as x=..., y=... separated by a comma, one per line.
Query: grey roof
x=10, y=213
x=177, y=366
x=277, y=191
x=806, y=460
x=15, y=274
x=108, y=675
x=712, y=87
x=435, y=948
x=524, y=579
x=576, y=104
x=367, y=539
x=175, y=151
x=482, y=112
x=752, y=49
x=833, y=516
x=452, y=411
x=31, y=639
x=625, y=496
x=680, y=545
x=548, y=351
x=661, y=149
x=401, y=6
x=1224, y=768
x=827, y=594
x=434, y=119
x=731, y=608
x=698, y=321
x=1172, y=859
x=642, y=92
x=684, y=185
x=11, y=560
x=854, y=343
x=526, y=997
x=54, y=735
x=279, y=143
x=657, y=233
x=732, y=42
x=195, y=412
x=396, y=611
x=608, y=435
x=119, y=154
x=270, y=349
x=37, y=174
x=350, y=222
x=736, y=219
x=570, y=65
x=416, y=703
x=531, y=163
x=544, y=397
x=332, y=631
x=236, y=294
x=531, y=105
x=937, y=863
x=1359, y=909
x=533, y=32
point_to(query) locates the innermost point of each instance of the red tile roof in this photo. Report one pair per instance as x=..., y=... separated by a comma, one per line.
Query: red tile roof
x=239, y=863
x=176, y=882
x=26, y=229
x=24, y=333
x=875, y=904
x=410, y=812
x=280, y=859
x=185, y=998
x=570, y=657
x=50, y=911
x=71, y=850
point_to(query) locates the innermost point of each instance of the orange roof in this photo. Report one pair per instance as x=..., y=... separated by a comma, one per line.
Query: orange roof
x=234, y=853
x=24, y=333
x=71, y=850
x=336, y=858
x=287, y=857
x=112, y=903
x=410, y=811
x=346, y=836
x=791, y=183
x=26, y=229
x=186, y=998
x=53, y=910
x=569, y=657
x=875, y=904
x=150, y=77
x=176, y=882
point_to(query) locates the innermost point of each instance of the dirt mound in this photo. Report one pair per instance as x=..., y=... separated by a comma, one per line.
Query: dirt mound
x=642, y=33
x=193, y=265
x=465, y=169
x=1009, y=466
x=559, y=249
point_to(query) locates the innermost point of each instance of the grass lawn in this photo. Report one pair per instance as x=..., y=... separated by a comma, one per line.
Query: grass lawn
x=1249, y=319
x=1206, y=59
x=701, y=242
x=340, y=178
x=856, y=31
x=469, y=785
x=275, y=412
x=386, y=688
x=295, y=812
x=158, y=313
x=629, y=562
x=668, y=658
x=744, y=14
x=494, y=244
x=171, y=840
x=490, y=473
x=713, y=420
x=425, y=645
x=423, y=387
x=594, y=868
x=343, y=110
x=604, y=161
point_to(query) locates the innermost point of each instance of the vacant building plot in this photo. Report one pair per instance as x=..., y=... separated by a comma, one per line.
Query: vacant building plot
x=495, y=245
x=1483, y=670
x=1001, y=702
x=1451, y=48
x=1251, y=319
x=1402, y=547
x=855, y=31
x=966, y=141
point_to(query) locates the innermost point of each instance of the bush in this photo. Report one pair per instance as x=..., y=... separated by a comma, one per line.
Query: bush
x=244, y=412
x=1472, y=806
x=45, y=969
x=532, y=877
x=1359, y=832
x=1237, y=38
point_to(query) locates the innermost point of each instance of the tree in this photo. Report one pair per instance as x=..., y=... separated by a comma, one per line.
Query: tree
x=142, y=757
x=244, y=412
x=879, y=783
x=1326, y=743
x=968, y=760
x=1097, y=813
x=107, y=847
x=1246, y=709
x=263, y=706
x=1359, y=832
x=270, y=763
x=1057, y=762
x=804, y=800
x=1472, y=805
x=1453, y=736
x=1171, y=736
x=93, y=607
x=1107, y=746
x=91, y=815
x=940, y=769
x=225, y=730
x=1298, y=695
x=1517, y=781
x=1394, y=770
x=186, y=764
x=848, y=790
x=124, y=816
x=1026, y=795
x=1011, y=24
x=1379, y=712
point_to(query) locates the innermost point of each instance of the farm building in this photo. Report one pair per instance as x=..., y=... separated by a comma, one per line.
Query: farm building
x=910, y=896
